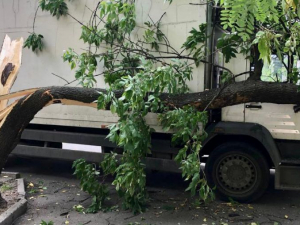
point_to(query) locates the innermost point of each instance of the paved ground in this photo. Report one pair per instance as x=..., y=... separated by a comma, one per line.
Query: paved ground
x=169, y=203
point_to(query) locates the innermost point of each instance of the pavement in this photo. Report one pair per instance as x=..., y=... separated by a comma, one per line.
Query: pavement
x=57, y=191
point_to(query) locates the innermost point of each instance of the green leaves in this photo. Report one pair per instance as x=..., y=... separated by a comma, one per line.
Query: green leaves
x=86, y=65
x=46, y=223
x=130, y=183
x=131, y=132
x=196, y=37
x=271, y=26
x=35, y=42
x=109, y=164
x=153, y=35
x=193, y=184
x=88, y=175
x=187, y=125
x=56, y=8
x=226, y=77
x=263, y=39
x=130, y=68
x=240, y=16
x=91, y=35
x=120, y=20
x=195, y=43
x=228, y=45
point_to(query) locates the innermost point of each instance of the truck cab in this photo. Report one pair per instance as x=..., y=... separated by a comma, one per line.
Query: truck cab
x=245, y=141
x=250, y=140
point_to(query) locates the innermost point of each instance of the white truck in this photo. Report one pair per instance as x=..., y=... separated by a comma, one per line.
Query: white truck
x=244, y=141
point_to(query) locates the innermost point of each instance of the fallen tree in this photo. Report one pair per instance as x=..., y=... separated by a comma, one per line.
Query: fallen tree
x=257, y=38
x=16, y=116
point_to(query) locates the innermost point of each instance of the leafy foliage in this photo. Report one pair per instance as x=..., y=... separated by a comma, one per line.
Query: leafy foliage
x=259, y=29
x=79, y=208
x=263, y=39
x=56, y=8
x=240, y=16
x=46, y=223
x=153, y=35
x=5, y=187
x=228, y=45
x=87, y=65
x=34, y=41
x=131, y=67
x=187, y=124
x=195, y=43
x=226, y=77
x=88, y=175
x=131, y=132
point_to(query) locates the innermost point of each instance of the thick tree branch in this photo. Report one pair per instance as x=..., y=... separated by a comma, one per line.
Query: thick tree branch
x=18, y=115
x=238, y=93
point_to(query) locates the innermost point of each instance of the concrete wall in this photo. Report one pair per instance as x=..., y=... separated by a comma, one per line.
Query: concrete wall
x=16, y=18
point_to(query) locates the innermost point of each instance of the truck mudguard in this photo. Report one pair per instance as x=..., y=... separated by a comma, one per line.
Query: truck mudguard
x=252, y=130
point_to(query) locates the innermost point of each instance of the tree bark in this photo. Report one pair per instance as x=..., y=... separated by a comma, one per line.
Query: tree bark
x=10, y=62
x=258, y=64
x=237, y=93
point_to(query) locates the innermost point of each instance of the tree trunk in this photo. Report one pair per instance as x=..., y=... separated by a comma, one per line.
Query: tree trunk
x=258, y=64
x=10, y=62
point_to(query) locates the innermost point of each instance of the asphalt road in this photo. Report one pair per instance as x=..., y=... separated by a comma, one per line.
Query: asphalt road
x=169, y=203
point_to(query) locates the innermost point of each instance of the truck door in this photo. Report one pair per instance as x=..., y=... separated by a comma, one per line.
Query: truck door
x=279, y=119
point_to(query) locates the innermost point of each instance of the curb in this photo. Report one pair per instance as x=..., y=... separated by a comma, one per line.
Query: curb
x=18, y=209
x=21, y=187
x=11, y=174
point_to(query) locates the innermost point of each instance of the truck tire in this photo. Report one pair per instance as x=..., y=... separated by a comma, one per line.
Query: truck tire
x=237, y=170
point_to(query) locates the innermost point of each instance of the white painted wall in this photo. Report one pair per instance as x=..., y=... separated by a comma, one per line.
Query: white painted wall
x=16, y=18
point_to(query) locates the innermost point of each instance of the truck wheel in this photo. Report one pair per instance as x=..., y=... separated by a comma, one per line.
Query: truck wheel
x=238, y=171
